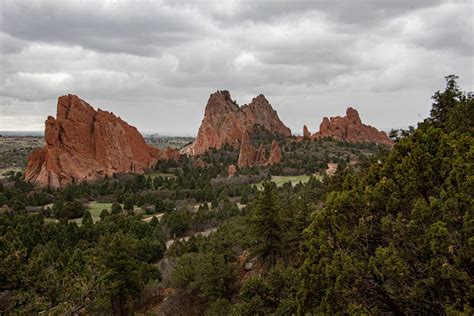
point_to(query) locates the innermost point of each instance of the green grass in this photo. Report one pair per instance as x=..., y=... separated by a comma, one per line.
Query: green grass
x=154, y=175
x=280, y=180
x=95, y=208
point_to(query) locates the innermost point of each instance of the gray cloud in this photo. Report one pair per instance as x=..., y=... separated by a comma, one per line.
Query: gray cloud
x=155, y=63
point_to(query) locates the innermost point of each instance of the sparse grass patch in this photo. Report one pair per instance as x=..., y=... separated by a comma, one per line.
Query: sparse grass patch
x=5, y=171
x=280, y=180
x=154, y=175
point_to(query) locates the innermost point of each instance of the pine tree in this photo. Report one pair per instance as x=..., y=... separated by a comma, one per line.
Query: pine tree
x=266, y=226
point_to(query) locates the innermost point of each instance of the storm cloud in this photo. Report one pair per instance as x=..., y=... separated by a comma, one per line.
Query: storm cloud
x=155, y=63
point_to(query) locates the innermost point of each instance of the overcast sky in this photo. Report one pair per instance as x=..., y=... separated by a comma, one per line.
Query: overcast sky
x=155, y=63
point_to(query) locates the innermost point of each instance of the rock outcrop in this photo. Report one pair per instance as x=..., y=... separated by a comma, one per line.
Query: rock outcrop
x=83, y=144
x=231, y=170
x=275, y=154
x=261, y=157
x=249, y=157
x=247, y=153
x=349, y=128
x=225, y=122
x=306, y=133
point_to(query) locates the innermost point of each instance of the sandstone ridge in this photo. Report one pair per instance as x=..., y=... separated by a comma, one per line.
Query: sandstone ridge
x=348, y=128
x=225, y=122
x=84, y=144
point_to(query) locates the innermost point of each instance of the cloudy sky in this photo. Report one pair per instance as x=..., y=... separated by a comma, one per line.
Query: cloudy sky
x=155, y=63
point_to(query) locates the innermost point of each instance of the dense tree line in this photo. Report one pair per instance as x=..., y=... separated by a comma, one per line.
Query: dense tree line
x=63, y=268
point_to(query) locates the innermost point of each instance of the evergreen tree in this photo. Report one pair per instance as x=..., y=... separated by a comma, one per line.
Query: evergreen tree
x=398, y=238
x=265, y=223
x=87, y=218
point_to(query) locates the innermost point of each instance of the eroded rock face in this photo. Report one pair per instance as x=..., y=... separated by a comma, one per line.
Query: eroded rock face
x=225, y=122
x=83, y=144
x=351, y=129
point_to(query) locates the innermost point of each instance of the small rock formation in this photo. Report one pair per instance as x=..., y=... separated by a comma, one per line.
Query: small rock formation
x=225, y=122
x=349, y=128
x=249, y=157
x=231, y=170
x=261, y=157
x=169, y=153
x=275, y=154
x=331, y=169
x=306, y=133
x=83, y=144
x=247, y=153
x=199, y=163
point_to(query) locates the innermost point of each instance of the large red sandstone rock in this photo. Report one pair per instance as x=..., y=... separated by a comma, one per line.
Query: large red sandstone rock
x=83, y=144
x=225, y=122
x=351, y=129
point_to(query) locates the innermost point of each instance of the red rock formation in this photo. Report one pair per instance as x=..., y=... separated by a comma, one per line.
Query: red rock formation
x=351, y=129
x=168, y=154
x=199, y=163
x=306, y=133
x=275, y=154
x=261, y=157
x=83, y=144
x=249, y=157
x=231, y=170
x=247, y=153
x=224, y=122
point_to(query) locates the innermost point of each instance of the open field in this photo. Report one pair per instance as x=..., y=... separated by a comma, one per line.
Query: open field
x=95, y=208
x=280, y=180
x=162, y=141
x=14, y=150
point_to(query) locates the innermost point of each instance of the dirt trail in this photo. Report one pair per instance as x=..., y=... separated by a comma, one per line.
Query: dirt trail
x=204, y=233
